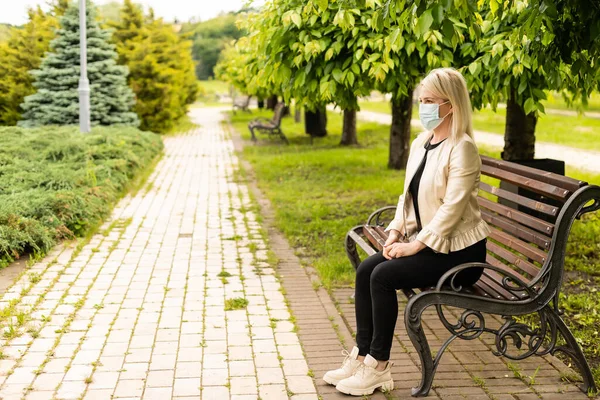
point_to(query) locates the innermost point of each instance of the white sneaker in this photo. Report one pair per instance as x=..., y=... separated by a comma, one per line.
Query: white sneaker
x=366, y=379
x=347, y=369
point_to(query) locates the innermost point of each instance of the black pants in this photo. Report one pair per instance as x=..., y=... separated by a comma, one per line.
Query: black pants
x=377, y=280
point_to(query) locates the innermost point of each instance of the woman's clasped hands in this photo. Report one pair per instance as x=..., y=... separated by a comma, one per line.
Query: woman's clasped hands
x=395, y=249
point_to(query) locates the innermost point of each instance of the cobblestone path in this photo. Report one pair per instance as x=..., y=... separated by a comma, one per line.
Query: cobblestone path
x=139, y=312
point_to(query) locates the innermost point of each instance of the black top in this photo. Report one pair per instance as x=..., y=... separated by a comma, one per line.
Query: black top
x=413, y=187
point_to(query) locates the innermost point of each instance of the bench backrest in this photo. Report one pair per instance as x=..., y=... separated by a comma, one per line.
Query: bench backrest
x=279, y=108
x=528, y=236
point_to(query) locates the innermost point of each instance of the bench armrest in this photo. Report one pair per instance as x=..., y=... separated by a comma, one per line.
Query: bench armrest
x=510, y=282
x=377, y=215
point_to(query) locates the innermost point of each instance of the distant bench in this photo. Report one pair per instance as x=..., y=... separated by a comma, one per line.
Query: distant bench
x=271, y=127
x=522, y=274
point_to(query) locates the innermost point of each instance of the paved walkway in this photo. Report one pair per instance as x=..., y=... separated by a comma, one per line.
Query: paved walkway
x=140, y=311
x=583, y=159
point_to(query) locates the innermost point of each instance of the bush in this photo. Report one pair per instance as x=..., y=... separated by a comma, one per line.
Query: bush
x=57, y=183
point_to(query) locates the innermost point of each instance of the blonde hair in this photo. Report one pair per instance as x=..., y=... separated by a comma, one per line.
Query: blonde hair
x=449, y=84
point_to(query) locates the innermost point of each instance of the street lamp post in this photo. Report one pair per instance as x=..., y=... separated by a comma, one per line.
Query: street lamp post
x=84, y=83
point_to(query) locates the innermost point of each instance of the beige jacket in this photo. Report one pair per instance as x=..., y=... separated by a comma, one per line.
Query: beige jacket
x=448, y=207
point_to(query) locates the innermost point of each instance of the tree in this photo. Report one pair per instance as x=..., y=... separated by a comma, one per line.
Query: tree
x=414, y=45
x=21, y=53
x=127, y=28
x=161, y=69
x=56, y=101
x=209, y=39
x=310, y=54
x=528, y=49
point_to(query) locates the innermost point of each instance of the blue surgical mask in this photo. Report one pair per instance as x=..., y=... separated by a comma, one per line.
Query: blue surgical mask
x=430, y=115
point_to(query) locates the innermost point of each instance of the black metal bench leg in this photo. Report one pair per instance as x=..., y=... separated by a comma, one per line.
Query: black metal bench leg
x=252, y=132
x=414, y=328
x=573, y=350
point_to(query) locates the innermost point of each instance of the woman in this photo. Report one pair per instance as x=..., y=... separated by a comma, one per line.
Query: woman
x=437, y=226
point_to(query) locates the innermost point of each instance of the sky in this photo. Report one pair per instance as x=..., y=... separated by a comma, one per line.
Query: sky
x=15, y=11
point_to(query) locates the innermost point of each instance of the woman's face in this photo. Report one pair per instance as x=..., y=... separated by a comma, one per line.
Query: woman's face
x=427, y=97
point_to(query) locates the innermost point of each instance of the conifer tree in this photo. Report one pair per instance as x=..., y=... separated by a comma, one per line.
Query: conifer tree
x=126, y=29
x=161, y=67
x=57, y=101
x=22, y=52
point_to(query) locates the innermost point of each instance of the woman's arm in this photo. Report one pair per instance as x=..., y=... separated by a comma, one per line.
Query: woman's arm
x=397, y=224
x=463, y=172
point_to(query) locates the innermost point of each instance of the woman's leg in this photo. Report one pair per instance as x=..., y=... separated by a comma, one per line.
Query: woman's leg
x=362, y=303
x=420, y=270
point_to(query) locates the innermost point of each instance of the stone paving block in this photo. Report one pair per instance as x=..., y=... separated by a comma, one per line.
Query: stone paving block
x=243, y=385
x=272, y=392
x=187, y=387
x=160, y=393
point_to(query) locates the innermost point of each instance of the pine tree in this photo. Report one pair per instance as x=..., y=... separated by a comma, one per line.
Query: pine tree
x=127, y=29
x=22, y=52
x=161, y=67
x=57, y=101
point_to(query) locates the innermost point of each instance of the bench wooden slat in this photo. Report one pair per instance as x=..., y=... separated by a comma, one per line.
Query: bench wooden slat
x=374, y=237
x=517, y=216
x=499, y=264
x=478, y=291
x=494, y=280
x=546, y=189
x=513, y=259
x=534, y=173
x=517, y=230
x=521, y=200
x=522, y=247
x=361, y=243
x=492, y=288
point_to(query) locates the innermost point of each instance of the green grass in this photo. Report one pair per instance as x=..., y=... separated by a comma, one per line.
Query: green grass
x=56, y=183
x=556, y=101
x=319, y=192
x=235, y=304
x=574, y=131
x=210, y=88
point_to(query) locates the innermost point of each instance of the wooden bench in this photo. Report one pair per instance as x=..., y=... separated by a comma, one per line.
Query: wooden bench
x=242, y=104
x=270, y=127
x=522, y=274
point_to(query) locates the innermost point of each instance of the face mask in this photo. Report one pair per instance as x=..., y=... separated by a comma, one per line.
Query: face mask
x=430, y=115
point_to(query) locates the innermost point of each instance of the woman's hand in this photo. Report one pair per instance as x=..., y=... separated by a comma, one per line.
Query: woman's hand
x=397, y=250
x=392, y=238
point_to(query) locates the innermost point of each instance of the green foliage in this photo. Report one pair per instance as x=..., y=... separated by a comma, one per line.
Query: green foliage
x=57, y=101
x=210, y=38
x=4, y=32
x=22, y=52
x=237, y=303
x=161, y=69
x=109, y=12
x=56, y=183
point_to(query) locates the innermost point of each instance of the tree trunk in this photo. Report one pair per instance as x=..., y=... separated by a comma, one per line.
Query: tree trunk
x=260, y=103
x=297, y=114
x=400, y=131
x=349, y=128
x=271, y=102
x=315, y=122
x=285, y=111
x=519, y=133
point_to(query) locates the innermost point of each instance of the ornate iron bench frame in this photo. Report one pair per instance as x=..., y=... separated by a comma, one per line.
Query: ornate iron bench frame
x=504, y=289
x=271, y=127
